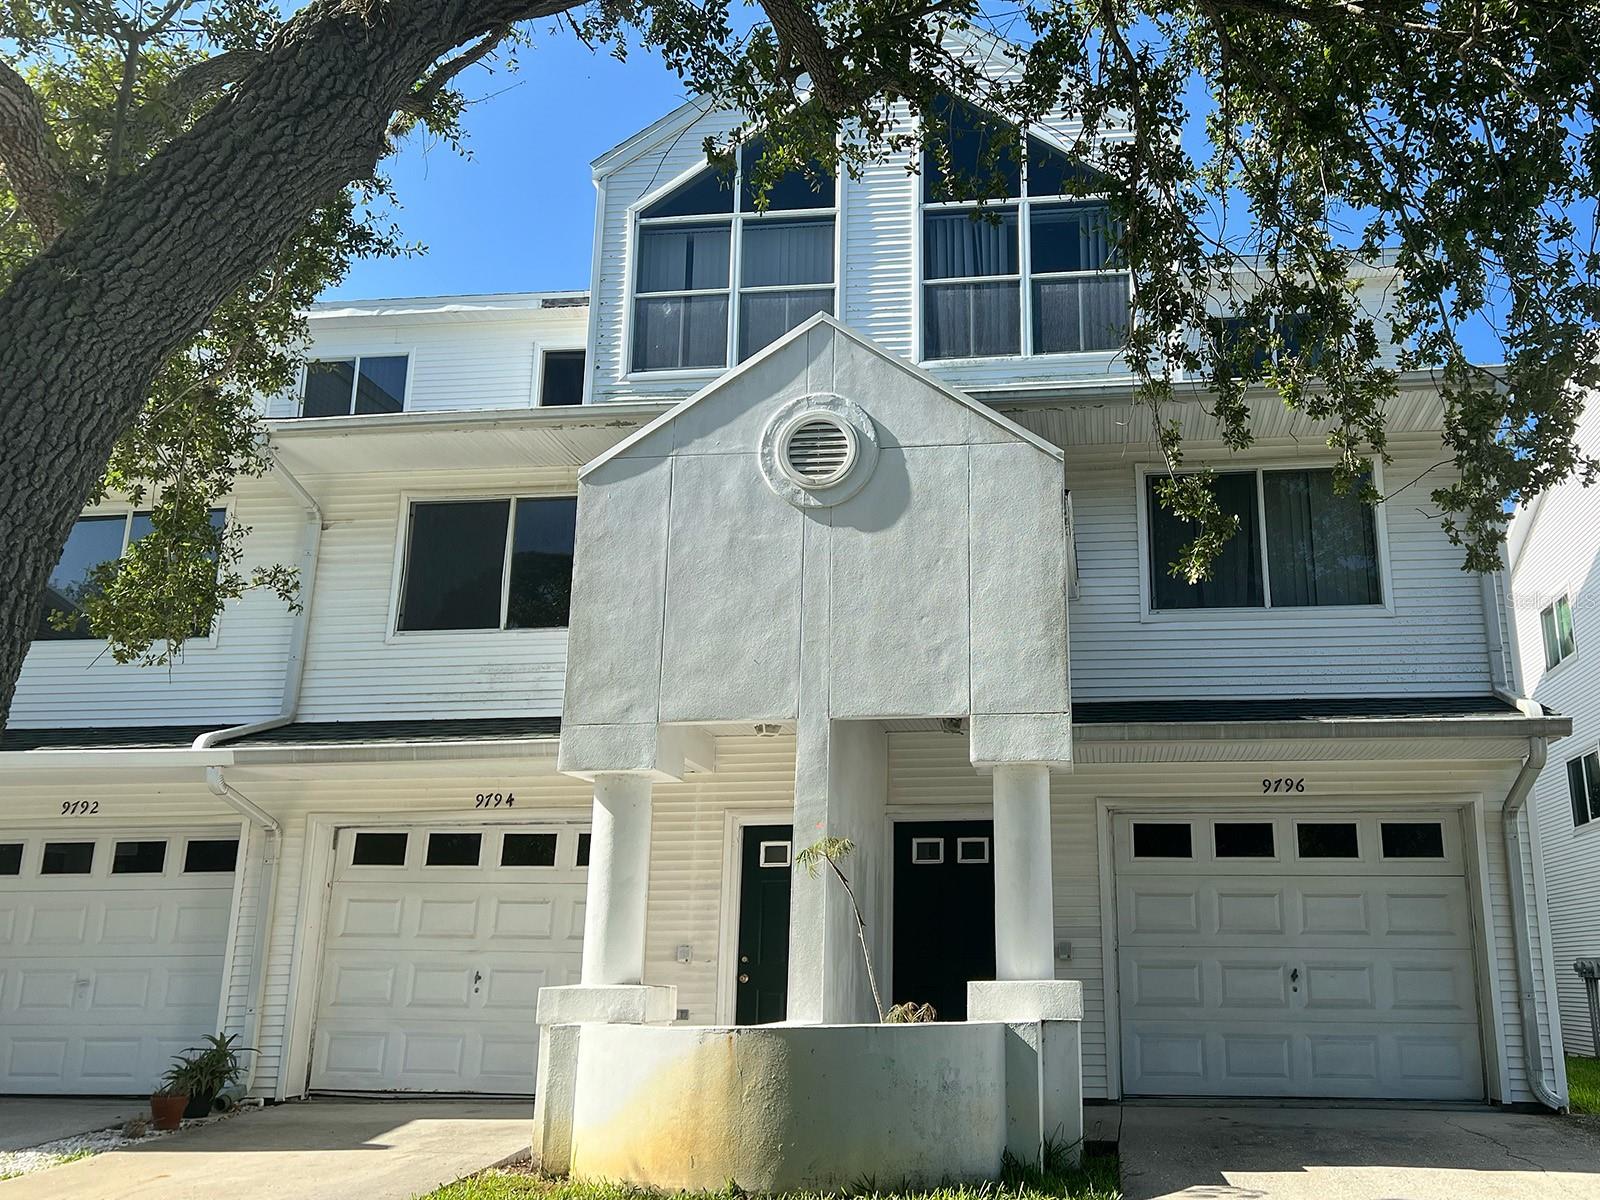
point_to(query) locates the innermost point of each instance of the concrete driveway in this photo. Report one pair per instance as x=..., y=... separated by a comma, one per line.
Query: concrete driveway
x=29, y=1120
x=317, y=1150
x=1291, y=1153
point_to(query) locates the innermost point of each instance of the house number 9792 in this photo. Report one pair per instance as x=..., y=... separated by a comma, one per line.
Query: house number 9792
x=1285, y=784
x=495, y=800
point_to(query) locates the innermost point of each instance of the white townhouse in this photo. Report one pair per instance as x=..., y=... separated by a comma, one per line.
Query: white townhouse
x=830, y=519
x=1554, y=551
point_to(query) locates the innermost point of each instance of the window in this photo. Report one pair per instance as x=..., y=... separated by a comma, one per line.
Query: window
x=204, y=856
x=1328, y=839
x=1583, y=787
x=379, y=850
x=1298, y=545
x=1239, y=340
x=561, y=383
x=1028, y=271
x=972, y=850
x=583, y=850
x=1556, y=623
x=10, y=858
x=93, y=541
x=773, y=854
x=489, y=564
x=927, y=851
x=528, y=850
x=689, y=310
x=337, y=387
x=139, y=858
x=1244, y=839
x=1412, y=839
x=1162, y=840
x=67, y=858
x=454, y=849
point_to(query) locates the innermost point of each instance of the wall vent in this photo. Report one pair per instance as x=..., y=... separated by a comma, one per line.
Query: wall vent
x=818, y=451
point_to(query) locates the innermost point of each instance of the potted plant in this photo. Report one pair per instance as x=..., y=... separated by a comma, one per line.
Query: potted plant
x=199, y=1074
x=166, y=1106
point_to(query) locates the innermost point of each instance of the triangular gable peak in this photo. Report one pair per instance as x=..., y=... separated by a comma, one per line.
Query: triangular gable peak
x=876, y=544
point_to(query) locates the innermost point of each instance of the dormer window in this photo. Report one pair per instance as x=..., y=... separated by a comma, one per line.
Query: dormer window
x=715, y=281
x=1029, y=270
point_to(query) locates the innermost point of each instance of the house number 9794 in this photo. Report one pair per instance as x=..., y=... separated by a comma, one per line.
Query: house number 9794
x=495, y=800
x=1285, y=784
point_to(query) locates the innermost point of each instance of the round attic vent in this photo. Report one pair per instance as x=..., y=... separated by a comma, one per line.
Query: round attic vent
x=817, y=450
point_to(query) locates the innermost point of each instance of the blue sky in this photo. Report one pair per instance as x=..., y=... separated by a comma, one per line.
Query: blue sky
x=518, y=215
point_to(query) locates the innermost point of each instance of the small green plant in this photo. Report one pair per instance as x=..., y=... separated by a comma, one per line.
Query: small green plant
x=207, y=1069
x=1583, y=1084
x=911, y=1013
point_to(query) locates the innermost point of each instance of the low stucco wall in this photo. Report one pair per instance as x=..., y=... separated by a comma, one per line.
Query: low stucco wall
x=778, y=1107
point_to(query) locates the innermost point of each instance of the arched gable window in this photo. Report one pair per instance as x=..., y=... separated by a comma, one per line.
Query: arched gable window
x=716, y=280
x=1031, y=271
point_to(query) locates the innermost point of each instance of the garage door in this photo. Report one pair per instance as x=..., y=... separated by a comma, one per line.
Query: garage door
x=438, y=941
x=1306, y=955
x=111, y=950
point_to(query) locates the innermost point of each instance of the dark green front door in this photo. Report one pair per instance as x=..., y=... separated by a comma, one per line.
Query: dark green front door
x=762, y=989
x=943, y=912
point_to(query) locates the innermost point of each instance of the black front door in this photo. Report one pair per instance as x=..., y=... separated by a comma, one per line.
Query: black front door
x=943, y=912
x=762, y=989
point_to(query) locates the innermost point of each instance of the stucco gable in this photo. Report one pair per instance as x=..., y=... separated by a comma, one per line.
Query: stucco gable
x=908, y=405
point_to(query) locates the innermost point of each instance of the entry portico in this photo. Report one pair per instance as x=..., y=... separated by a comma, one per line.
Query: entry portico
x=885, y=551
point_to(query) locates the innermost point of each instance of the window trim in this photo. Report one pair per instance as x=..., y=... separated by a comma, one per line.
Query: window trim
x=328, y=355
x=630, y=263
x=1564, y=597
x=1380, y=531
x=1024, y=277
x=557, y=346
x=402, y=554
x=127, y=513
x=1594, y=816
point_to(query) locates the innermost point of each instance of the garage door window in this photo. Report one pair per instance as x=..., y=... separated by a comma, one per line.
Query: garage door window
x=139, y=858
x=67, y=858
x=11, y=858
x=528, y=850
x=1244, y=839
x=454, y=849
x=1328, y=839
x=379, y=850
x=205, y=856
x=1153, y=839
x=1412, y=839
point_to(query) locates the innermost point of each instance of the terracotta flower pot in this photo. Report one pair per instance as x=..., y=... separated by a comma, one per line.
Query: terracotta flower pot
x=167, y=1111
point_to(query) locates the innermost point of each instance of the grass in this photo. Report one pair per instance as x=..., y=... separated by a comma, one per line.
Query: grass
x=1583, y=1084
x=1096, y=1179
x=55, y=1160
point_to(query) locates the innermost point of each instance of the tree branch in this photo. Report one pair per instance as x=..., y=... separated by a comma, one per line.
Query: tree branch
x=418, y=103
x=212, y=73
x=32, y=161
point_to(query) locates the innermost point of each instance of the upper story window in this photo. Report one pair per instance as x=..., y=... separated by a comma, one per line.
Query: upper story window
x=488, y=564
x=561, y=378
x=1583, y=787
x=93, y=541
x=1027, y=271
x=1240, y=337
x=715, y=280
x=1556, y=624
x=367, y=383
x=1299, y=544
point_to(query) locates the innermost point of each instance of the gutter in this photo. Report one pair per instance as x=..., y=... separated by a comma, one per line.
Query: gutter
x=272, y=831
x=1510, y=812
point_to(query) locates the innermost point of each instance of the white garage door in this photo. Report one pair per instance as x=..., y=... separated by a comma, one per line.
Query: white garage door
x=111, y=950
x=438, y=941
x=1305, y=955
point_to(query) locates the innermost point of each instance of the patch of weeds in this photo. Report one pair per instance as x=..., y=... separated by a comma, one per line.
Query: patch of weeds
x=1096, y=1178
x=1583, y=1084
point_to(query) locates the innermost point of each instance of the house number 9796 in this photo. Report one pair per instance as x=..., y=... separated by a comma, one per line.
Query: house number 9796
x=495, y=800
x=1285, y=784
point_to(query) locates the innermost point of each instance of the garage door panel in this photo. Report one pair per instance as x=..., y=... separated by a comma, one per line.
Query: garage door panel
x=1353, y=979
x=431, y=976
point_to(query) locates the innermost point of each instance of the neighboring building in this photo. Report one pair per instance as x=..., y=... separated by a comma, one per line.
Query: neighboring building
x=822, y=576
x=1554, y=550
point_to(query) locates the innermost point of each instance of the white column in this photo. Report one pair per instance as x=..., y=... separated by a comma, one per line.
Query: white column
x=1024, y=906
x=619, y=878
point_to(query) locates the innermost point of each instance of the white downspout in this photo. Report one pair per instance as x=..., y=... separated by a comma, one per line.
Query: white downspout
x=1532, y=1050
x=294, y=673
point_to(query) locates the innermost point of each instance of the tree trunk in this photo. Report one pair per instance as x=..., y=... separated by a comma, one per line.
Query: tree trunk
x=85, y=326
